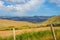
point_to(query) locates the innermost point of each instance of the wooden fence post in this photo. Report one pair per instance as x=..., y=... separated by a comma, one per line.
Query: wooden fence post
x=53, y=33
x=14, y=38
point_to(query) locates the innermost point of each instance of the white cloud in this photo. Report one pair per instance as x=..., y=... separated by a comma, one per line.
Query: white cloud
x=57, y=2
x=18, y=9
x=15, y=1
x=1, y=3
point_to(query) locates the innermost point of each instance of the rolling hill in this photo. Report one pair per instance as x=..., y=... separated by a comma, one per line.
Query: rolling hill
x=53, y=20
x=7, y=24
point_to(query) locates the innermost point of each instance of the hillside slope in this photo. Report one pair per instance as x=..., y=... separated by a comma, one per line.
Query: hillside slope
x=52, y=20
x=9, y=24
x=17, y=24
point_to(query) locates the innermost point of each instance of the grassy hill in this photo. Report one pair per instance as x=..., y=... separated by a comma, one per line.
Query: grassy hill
x=55, y=20
x=7, y=24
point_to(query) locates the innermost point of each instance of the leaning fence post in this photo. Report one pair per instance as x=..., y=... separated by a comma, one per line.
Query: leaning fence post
x=14, y=38
x=53, y=33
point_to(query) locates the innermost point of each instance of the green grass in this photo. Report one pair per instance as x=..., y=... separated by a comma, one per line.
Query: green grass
x=40, y=35
x=33, y=35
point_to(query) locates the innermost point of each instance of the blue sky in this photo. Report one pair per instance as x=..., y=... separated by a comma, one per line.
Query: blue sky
x=29, y=7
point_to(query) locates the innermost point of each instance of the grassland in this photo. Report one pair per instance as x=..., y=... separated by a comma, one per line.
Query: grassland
x=29, y=31
x=55, y=20
x=10, y=32
x=9, y=24
x=39, y=35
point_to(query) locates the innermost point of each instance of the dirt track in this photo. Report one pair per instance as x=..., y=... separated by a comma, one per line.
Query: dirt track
x=9, y=33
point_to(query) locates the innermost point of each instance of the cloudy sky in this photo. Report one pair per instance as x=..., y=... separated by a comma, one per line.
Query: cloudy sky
x=29, y=7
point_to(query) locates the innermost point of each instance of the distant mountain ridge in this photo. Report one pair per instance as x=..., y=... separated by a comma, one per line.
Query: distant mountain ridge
x=33, y=19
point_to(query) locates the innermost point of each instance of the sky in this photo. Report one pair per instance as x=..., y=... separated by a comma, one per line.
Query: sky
x=29, y=7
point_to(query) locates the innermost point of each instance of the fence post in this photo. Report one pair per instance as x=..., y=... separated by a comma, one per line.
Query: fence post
x=53, y=33
x=14, y=38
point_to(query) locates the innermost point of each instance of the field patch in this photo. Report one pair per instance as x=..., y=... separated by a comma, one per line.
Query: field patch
x=40, y=35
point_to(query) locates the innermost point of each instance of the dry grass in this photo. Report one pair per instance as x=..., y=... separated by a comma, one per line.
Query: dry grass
x=7, y=23
x=9, y=33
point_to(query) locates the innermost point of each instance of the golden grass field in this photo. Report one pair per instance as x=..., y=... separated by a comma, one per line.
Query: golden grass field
x=10, y=32
x=23, y=26
x=7, y=23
